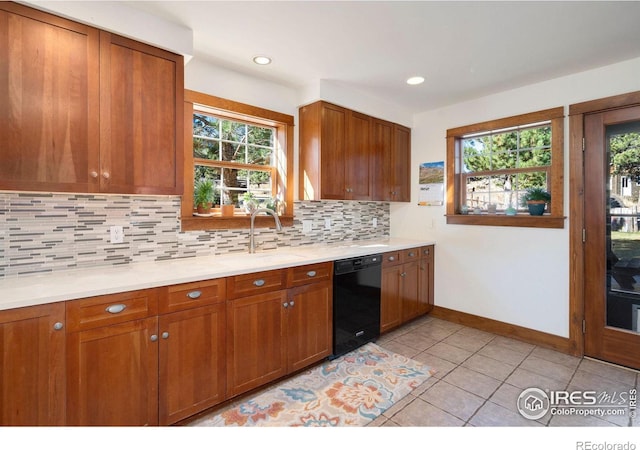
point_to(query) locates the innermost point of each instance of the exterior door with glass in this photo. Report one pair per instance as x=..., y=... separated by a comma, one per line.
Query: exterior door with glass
x=612, y=235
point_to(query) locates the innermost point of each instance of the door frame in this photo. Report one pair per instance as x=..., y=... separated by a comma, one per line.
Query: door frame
x=577, y=113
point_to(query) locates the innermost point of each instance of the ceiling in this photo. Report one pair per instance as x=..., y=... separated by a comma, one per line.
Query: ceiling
x=464, y=50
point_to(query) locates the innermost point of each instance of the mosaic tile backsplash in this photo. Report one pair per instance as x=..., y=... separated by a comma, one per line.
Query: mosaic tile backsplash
x=42, y=232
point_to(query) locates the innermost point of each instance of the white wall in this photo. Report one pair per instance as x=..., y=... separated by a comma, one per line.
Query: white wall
x=482, y=270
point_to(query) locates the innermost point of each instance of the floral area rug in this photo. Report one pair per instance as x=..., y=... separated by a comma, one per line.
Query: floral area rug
x=351, y=390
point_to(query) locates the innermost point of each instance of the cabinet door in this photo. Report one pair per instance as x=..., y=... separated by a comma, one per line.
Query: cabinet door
x=333, y=146
x=357, y=159
x=141, y=118
x=382, y=164
x=409, y=290
x=112, y=375
x=32, y=366
x=49, y=101
x=400, y=168
x=426, y=275
x=390, y=298
x=192, y=361
x=256, y=347
x=309, y=324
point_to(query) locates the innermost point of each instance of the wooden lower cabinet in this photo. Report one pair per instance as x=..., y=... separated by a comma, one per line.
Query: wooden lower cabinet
x=112, y=375
x=272, y=334
x=256, y=351
x=407, y=286
x=192, y=362
x=426, y=280
x=390, y=301
x=309, y=324
x=32, y=366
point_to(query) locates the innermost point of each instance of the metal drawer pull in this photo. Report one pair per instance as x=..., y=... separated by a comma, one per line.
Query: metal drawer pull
x=426, y=252
x=115, y=309
x=165, y=335
x=359, y=333
x=403, y=274
x=57, y=326
x=194, y=294
x=311, y=273
x=259, y=283
x=392, y=258
x=154, y=337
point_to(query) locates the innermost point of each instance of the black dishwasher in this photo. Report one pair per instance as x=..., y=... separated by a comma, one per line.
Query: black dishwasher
x=356, y=302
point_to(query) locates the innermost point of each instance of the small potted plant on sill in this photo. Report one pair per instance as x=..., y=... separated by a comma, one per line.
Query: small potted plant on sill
x=228, y=208
x=203, y=196
x=249, y=201
x=536, y=200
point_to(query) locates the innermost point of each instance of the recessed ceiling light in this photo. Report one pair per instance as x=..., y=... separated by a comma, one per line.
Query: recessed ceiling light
x=415, y=80
x=262, y=60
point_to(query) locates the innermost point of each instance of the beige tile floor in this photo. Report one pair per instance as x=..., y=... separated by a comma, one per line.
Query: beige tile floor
x=480, y=375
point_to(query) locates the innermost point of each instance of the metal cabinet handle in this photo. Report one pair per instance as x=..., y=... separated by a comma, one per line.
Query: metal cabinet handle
x=93, y=174
x=115, y=309
x=391, y=258
x=412, y=254
x=106, y=175
x=194, y=294
x=403, y=274
x=154, y=337
x=426, y=252
x=58, y=326
x=165, y=335
x=285, y=304
x=259, y=282
x=311, y=273
x=291, y=303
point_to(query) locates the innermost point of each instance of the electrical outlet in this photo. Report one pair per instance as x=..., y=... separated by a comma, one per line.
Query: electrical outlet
x=117, y=234
x=306, y=226
x=374, y=222
x=327, y=223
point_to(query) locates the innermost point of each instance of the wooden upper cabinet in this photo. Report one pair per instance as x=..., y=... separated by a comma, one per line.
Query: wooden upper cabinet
x=382, y=146
x=391, y=163
x=400, y=172
x=48, y=101
x=358, y=157
x=329, y=150
x=335, y=153
x=86, y=111
x=141, y=112
x=346, y=155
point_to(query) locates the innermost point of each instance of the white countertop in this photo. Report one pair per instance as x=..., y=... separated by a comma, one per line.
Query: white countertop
x=16, y=292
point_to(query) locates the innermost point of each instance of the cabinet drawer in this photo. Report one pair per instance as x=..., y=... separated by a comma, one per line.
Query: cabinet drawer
x=191, y=295
x=255, y=283
x=311, y=273
x=426, y=252
x=102, y=310
x=391, y=258
x=411, y=254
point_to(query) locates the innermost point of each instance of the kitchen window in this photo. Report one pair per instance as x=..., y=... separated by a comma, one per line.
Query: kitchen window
x=245, y=151
x=493, y=163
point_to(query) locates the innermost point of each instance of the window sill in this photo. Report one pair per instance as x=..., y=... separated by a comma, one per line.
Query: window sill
x=238, y=221
x=502, y=220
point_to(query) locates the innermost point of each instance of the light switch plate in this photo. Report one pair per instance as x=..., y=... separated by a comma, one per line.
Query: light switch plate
x=306, y=226
x=327, y=223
